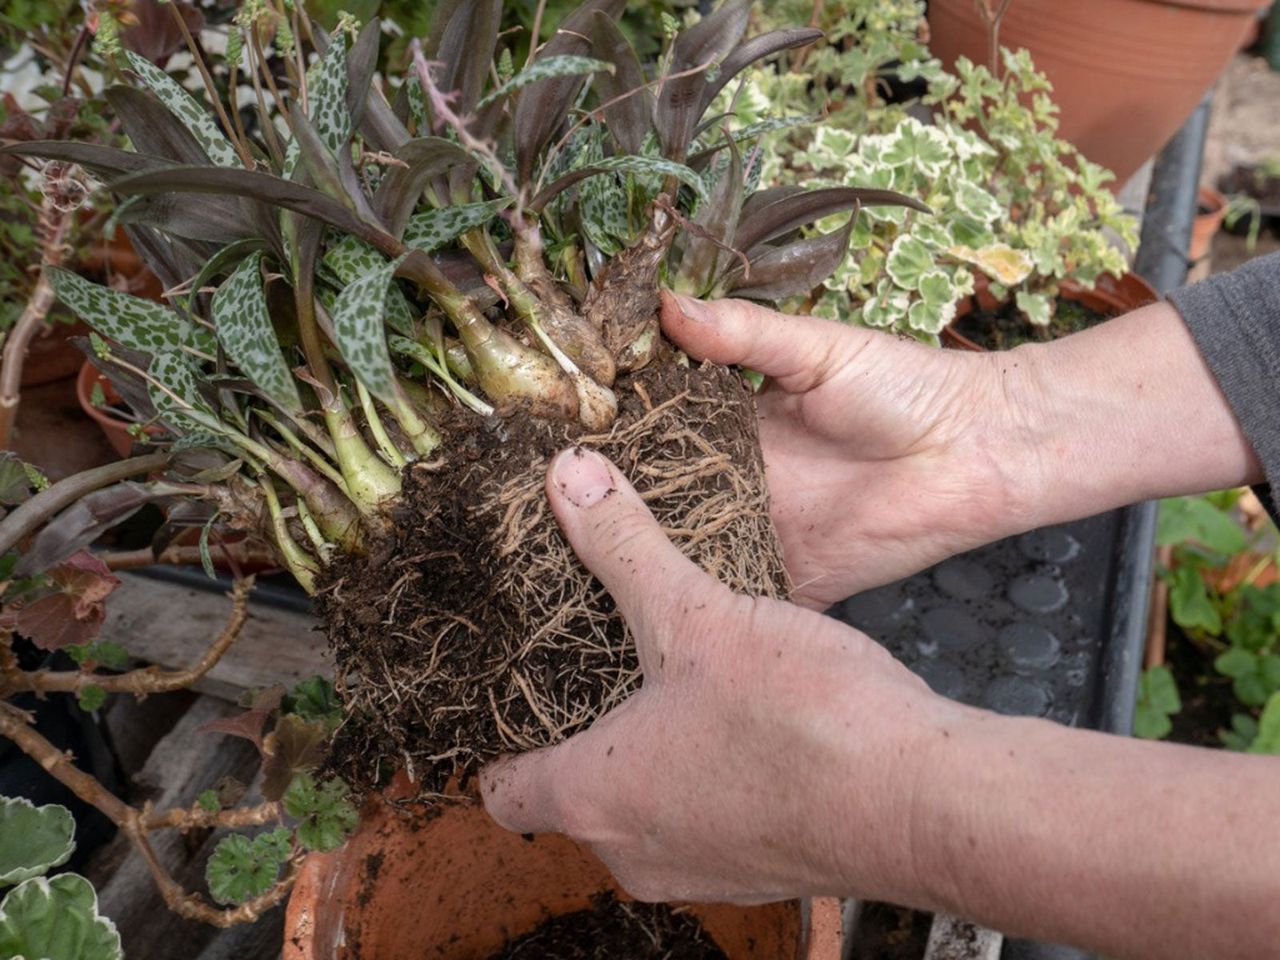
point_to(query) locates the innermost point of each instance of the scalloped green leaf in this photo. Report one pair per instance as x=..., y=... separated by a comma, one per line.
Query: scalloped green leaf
x=432, y=229
x=243, y=325
x=186, y=108
x=242, y=868
x=359, y=328
x=33, y=840
x=325, y=810
x=57, y=919
x=565, y=65
x=136, y=323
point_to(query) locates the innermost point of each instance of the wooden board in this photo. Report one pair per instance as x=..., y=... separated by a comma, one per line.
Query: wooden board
x=172, y=625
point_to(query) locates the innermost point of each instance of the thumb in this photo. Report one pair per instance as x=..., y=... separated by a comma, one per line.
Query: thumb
x=520, y=792
x=797, y=352
x=619, y=541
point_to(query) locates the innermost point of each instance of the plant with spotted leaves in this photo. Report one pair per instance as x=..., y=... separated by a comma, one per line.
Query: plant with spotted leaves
x=370, y=260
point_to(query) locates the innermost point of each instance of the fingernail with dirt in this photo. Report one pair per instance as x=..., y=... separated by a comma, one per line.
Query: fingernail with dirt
x=582, y=476
x=694, y=309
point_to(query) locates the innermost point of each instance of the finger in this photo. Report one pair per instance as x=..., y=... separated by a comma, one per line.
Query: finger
x=619, y=541
x=798, y=352
x=520, y=792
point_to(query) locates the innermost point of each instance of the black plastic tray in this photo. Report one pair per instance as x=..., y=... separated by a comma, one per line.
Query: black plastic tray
x=1051, y=623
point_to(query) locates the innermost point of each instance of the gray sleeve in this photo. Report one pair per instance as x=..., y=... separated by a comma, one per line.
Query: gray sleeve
x=1235, y=320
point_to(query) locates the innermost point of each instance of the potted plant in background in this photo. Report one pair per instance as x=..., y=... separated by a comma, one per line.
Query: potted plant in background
x=377, y=312
x=1127, y=73
x=1021, y=228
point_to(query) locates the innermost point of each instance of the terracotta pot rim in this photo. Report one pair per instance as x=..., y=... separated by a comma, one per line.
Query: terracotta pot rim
x=1215, y=6
x=1138, y=293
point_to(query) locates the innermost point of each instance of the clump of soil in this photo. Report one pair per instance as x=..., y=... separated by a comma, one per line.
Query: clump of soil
x=611, y=930
x=1256, y=182
x=1208, y=701
x=473, y=630
x=1005, y=327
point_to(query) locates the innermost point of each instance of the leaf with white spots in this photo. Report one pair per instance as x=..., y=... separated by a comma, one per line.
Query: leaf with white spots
x=352, y=258
x=240, y=317
x=186, y=108
x=565, y=65
x=360, y=330
x=432, y=229
x=175, y=393
x=136, y=323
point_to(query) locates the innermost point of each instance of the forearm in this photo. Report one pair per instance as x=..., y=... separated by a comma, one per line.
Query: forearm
x=1123, y=412
x=1132, y=848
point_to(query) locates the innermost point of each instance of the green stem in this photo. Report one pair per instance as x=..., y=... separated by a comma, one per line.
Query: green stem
x=300, y=564
x=424, y=437
x=315, y=459
x=323, y=547
x=389, y=450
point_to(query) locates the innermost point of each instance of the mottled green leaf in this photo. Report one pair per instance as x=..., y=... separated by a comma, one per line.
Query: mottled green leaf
x=352, y=258
x=358, y=323
x=432, y=229
x=239, y=311
x=241, y=868
x=198, y=120
x=653, y=166
x=136, y=323
x=57, y=919
x=327, y=95
x=545, y=68
x=33, y=840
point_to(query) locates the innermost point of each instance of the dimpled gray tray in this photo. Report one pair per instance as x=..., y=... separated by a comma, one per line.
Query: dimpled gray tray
x=1020, y=626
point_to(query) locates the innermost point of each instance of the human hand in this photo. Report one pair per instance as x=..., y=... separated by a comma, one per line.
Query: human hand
x=883, y=455
x=771, y=752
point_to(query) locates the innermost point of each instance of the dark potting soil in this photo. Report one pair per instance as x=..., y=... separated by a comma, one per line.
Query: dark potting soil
x=612, y=930
x=1005, y=327
x=472, y=629
x=1208, y=701
x=1257, y=183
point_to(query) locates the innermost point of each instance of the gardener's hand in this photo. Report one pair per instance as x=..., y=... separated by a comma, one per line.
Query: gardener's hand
x=771, y=751
x=883, y=455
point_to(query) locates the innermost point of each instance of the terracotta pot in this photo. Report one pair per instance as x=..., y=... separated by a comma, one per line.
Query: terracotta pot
x=1110, y=295
x=52, y=356
x=115, y=429
x=1213, y=207
x=452, y=884
x=1126, y=73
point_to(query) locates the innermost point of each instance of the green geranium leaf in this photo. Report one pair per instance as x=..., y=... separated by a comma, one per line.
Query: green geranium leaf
x=242, y=868
x=1268, y=736
x=973, y=201
x=1197, y=520
x=91, y=697
x=1236, y=663
x=182, y=105
x=314, y=699
x=937, y=289
x=33, y=840
x=208, y=801
x=56, y=919
x=243, y=325
x=1190, y=604
x=326, y=812
x=1157, y=700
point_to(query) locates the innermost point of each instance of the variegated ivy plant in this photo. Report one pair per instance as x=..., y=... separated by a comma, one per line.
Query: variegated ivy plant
x=1012, y=205
x=366, y=257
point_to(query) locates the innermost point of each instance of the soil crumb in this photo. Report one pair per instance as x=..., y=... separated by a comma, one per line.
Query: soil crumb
x=611, y=930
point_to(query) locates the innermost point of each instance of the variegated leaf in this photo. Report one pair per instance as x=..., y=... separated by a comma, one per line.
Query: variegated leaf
x=545, y=68
x=432, y=229
x=240, y=317
x=327, y=95
x=352, y=258
x=185, y=107
x=641, y=166
x=179, y=402
x=359, y=328
x=129, y=320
